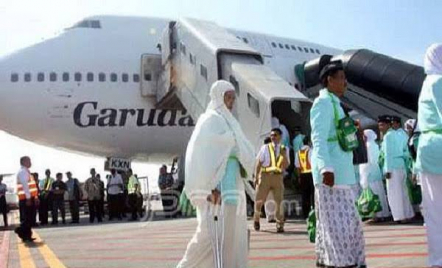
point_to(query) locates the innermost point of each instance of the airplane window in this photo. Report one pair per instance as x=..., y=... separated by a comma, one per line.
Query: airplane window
x=245, y=40
x=192, y=58
x=40, y=77
x=52, y=77
x=101, y=77
x=113, y=77
x=27, y=77
x=65, y=77
x=306, y=50
x=300, y=49
x=90, y=77
x=183, y=48
x=287, y=46
x=125, y=77
x=312, y=50
x=280, y=45
x=273, y=44
x=147, y=77
x=253, y=104
x=77, y=77
x=317, y=51
x=293, y=47
x=203, y=70
x=14, y=77
x=136, y=78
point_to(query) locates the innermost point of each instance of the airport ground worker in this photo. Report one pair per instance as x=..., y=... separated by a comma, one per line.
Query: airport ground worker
x=94, y=189
x=165, y=183
x=74, y=197
x=271, y=162
x=429, y=153
x=28, y=197
x=133, y=188
x=371, y=174
x=219, y=159
x=394, y=169
x=115, y=188
x=3, y=204
x=45, y=197
x=58, y=189
x=339, y=235
x=303, y=165
x=285, y=137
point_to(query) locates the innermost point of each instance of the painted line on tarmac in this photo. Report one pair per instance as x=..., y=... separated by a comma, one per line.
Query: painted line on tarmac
x=4, y=250
x=26, y=260
x=48, y=255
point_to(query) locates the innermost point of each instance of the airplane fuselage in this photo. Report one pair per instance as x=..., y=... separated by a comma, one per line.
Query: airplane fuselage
x=81, y=90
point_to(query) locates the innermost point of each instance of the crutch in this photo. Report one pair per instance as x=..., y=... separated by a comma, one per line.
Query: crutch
x=218, y=254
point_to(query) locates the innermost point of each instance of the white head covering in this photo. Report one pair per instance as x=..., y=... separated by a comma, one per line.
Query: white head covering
x=371, y=168
x=433, y=59
x=409, y=124
x=275, y=122
x=217, y=134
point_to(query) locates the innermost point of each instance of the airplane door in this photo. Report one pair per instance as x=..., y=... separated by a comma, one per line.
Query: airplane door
x=150, y=74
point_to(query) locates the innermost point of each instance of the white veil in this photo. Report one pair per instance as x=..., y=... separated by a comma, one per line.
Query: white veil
x=216, y=134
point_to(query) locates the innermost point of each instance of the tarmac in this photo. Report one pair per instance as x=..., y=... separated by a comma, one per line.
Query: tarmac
x=160, y=243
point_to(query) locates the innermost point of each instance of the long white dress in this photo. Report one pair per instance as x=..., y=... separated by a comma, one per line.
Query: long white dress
x=217, y=134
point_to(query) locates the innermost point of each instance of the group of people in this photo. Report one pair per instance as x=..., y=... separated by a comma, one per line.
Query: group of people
x=38, y=197
x=215, y=184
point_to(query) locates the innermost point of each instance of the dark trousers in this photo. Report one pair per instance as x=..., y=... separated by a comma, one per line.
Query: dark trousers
x=133, y=203
x=169, y=201
x=4, y=210
x=25, y=231
x=308, y=192
x=114, y=207
x=74, y=207
x=95, y=210
x=58, y=204
x=122, y=201
x=43, y=210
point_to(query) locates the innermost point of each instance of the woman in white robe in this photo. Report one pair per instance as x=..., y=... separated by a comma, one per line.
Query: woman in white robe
x=371, y=175
x=219, y=158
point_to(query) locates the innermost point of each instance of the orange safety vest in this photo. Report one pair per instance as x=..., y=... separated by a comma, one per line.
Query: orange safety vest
x=304, y=161
x=275, y=162
x=33, y=190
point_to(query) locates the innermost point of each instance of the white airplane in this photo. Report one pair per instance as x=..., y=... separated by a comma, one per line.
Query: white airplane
x=82, y=90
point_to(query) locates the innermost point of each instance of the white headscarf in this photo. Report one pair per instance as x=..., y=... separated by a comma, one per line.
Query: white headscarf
x=371, y=168
x=217, y=133
x=433, y=60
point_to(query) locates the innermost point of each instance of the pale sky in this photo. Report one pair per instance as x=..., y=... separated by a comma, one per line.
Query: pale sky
x=399, y=28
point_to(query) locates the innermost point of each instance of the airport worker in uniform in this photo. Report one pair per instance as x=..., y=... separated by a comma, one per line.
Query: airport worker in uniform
x=303, y=165
x=394, y=169
x=94, y=190
x=219, y=160
x=28, y=197
x=3, y=204
x=371, y=174
x=74, y=197
x=271, y=162
x=115, y=188
x=45, y=197
x=58, y=189
x=133, y=188
x=429, y=153
x=339, y=235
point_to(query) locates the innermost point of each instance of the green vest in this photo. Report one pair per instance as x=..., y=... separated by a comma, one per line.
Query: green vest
x=131, y=186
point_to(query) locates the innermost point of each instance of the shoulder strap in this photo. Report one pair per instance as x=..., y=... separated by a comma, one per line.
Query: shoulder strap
x=335, y=109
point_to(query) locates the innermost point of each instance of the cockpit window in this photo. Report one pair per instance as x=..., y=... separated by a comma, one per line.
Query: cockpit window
x=95, y=24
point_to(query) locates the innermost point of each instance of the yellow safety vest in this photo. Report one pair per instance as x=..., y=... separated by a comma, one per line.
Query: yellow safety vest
x=33, y=190
x=275, y=162
x=304, y=161
x=131, y=185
